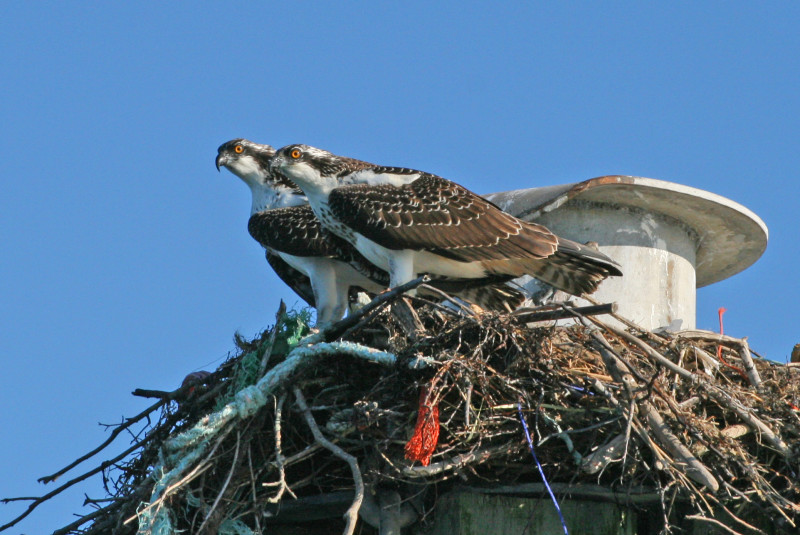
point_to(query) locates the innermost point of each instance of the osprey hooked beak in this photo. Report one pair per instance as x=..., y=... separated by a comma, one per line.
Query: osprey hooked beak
x=222, y=159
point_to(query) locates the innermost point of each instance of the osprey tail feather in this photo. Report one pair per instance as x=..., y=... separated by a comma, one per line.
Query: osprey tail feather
x=574, y=268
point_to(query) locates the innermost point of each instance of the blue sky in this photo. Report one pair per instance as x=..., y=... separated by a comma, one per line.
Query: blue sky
x=125, y=257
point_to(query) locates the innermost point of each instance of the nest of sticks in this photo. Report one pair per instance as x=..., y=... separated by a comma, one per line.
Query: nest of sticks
x=352, y=411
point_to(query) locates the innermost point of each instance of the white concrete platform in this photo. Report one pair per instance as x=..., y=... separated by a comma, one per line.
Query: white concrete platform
x=669, y=239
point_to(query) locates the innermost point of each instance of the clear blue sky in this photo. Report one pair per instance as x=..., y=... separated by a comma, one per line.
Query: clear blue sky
x=125, y=257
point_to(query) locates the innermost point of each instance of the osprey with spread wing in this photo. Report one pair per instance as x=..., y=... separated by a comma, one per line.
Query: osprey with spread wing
x=409, y=222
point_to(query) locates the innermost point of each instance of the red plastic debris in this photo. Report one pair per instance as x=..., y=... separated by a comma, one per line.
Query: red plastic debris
x=426, y=432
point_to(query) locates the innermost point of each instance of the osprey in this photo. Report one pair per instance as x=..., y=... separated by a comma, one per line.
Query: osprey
x=409, y=222
x=318, y=265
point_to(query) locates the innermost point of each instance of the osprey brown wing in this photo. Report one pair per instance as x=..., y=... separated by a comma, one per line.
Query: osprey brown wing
x=295, y=231
x=440, y=216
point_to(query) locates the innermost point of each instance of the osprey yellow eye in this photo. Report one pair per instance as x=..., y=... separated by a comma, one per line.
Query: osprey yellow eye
x=238, y=149
x=295, y=153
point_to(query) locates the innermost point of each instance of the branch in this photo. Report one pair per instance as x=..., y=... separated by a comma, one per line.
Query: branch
x=459, y=461
x=279, y=458
x=352, y=513
x=749, y=367
x=129, y=422
x=561, y=313
x=40, y=500
x=686, y=460
x=211, y=524
x=86, y=518
x=334, y=331
x=722, y=398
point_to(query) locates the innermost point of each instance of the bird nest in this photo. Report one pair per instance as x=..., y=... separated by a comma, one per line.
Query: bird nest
x=420, y=399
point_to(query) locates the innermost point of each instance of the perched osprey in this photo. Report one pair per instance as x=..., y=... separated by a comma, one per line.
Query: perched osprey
x=409, y=222
x=318, y=265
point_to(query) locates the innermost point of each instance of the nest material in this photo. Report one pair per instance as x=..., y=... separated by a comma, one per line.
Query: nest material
x=627, y=409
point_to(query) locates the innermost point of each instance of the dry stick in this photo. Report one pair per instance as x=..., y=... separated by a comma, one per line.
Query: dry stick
x=709, y=336
x=625, y=321
x=129, y=422
x=447, y=297
x=628, y=412
x=297, y=457
x=335, y=331
x=454, y=463
x=86, y=518
x=749, y=367
x=408, y=319
x=201, y=467
x=253, y=488
x=712, y=521
x=433, y=304
x=214, y=525
x=652, y=353
x=105, y=464
x=733, y=431
x=279, y=459
x=564, y=313
x=351, y=515
x=707, y=358
x=719, y=396
x=686, y=460
x=737, y=519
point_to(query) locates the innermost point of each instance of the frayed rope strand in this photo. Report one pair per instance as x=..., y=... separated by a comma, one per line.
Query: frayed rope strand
x=539, y=466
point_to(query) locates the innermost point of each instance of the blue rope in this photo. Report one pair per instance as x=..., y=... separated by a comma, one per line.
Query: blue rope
x=541, y=471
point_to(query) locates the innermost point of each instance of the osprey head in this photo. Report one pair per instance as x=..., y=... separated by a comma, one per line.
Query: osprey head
x=312, y=168
x=244, y=158
x=251, y=162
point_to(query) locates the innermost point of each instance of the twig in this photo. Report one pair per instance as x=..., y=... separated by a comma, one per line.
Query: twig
x=712, y=521
x=686, y=460
x=625, y=321
x=199, y=468
x=561, y=313
x=256, y=514
x=128, y=422
x=86, y=518
x=105, y=464
x=457, y=462
x=351, y=515
x=652, y=353
x=279, y=459
x=334, y=331
x=214, y=525
x=407, y=319
x=749, y=367
x=750, y=419
x=719, y=396
x=447, y=297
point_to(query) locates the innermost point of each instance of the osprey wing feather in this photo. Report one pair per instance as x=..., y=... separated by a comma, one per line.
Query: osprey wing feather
x=439, y=216
x=409, y=222
x=296, y=231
